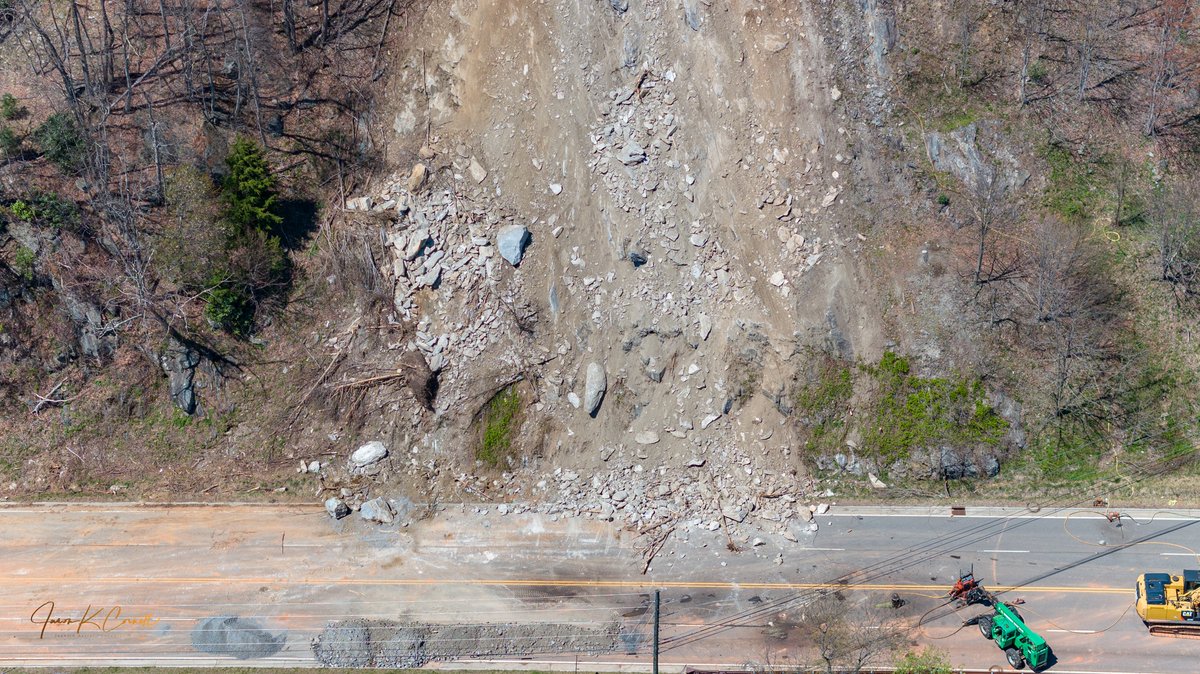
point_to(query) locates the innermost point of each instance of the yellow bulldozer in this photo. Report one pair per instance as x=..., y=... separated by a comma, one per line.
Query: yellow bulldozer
x=1170, y=605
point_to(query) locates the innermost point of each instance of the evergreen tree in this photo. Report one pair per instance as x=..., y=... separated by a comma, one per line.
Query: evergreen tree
x=249, y=189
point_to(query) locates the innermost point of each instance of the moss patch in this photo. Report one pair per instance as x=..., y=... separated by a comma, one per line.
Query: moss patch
x=499, y=426
x=822, y=402
x=909, y=412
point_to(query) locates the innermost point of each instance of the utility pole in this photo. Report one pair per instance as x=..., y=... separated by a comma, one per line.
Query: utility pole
x=657, y=603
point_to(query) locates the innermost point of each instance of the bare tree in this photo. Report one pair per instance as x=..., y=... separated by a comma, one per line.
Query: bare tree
x=848, y=638
x=1176, y=216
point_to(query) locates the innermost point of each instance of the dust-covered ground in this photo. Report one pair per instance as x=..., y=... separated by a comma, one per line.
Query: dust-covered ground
x=382, y=643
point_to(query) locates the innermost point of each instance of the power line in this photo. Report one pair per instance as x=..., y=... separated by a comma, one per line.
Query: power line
x=926, y=551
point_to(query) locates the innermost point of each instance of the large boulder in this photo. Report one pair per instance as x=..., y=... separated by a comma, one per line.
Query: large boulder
x=511, y=243
x=595, y=384
x=370, y=453
x=377, y=510
x=179, y=362
x=336, y=508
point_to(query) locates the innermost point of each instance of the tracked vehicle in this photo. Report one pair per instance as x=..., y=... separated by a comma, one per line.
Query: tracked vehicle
x=1170, y=605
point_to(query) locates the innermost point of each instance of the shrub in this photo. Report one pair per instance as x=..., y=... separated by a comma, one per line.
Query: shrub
x=23, y=263
x=10, y=107
x=230, y=310
x=943, y=200
x=10, y=144
x=1038, y=72
x=927, y=661
x=55, y=211
x=61, y=142
x=251, y=263
x=47, y=208
x=22, y=211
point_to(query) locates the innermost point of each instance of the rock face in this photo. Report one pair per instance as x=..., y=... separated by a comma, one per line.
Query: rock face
x=958, y=152
x=511, y=243
x=179, y=363
x=336, y=508
x=368, y=454
x=377, y=510
x=595, y=384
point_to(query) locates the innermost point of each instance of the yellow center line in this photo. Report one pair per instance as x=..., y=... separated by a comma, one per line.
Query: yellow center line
x=637, y=584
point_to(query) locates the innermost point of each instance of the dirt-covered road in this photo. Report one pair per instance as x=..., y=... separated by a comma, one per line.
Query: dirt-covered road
x=111, y=584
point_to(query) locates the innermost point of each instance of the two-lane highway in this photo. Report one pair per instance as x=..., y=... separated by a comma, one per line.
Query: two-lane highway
x=108, y=584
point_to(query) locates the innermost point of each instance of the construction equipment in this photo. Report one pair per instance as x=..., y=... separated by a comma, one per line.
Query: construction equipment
x=967, y=591
x=1021, y=645
x=1170, y=605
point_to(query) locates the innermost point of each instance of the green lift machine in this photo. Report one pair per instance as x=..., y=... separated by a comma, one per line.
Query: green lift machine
x=1004, y=625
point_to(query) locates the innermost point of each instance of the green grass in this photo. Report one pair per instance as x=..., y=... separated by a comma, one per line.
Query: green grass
x=822, y=403
x=1074, y=188
x=910, y=412
x=13, y=454
x=955, y=120
x=499, y=425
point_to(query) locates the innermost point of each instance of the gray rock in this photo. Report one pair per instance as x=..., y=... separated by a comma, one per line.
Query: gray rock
x=236, y=637
x=706, y=327
x=336, y=508
x=370, y=453
x=313, y=467
x=631, y=46
x=179, y=363
x=511, y=242
x=619, y=6
x=734, y=513
x=416, y=243
x=646, y=438
x=417, y=178
x=595, y=385
x=377, y=510
x=573, y=398
x=631, y=154
x=991, y=466
x=957, y=152
x=691, y=14
x=954, y=466
x=478, y=173
x=656, y=369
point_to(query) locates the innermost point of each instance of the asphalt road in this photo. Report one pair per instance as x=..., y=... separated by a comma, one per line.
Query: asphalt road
x=136, y=580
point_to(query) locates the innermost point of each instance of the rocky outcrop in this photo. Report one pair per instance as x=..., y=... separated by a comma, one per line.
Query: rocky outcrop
x=179, y=362
x=959, y=153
